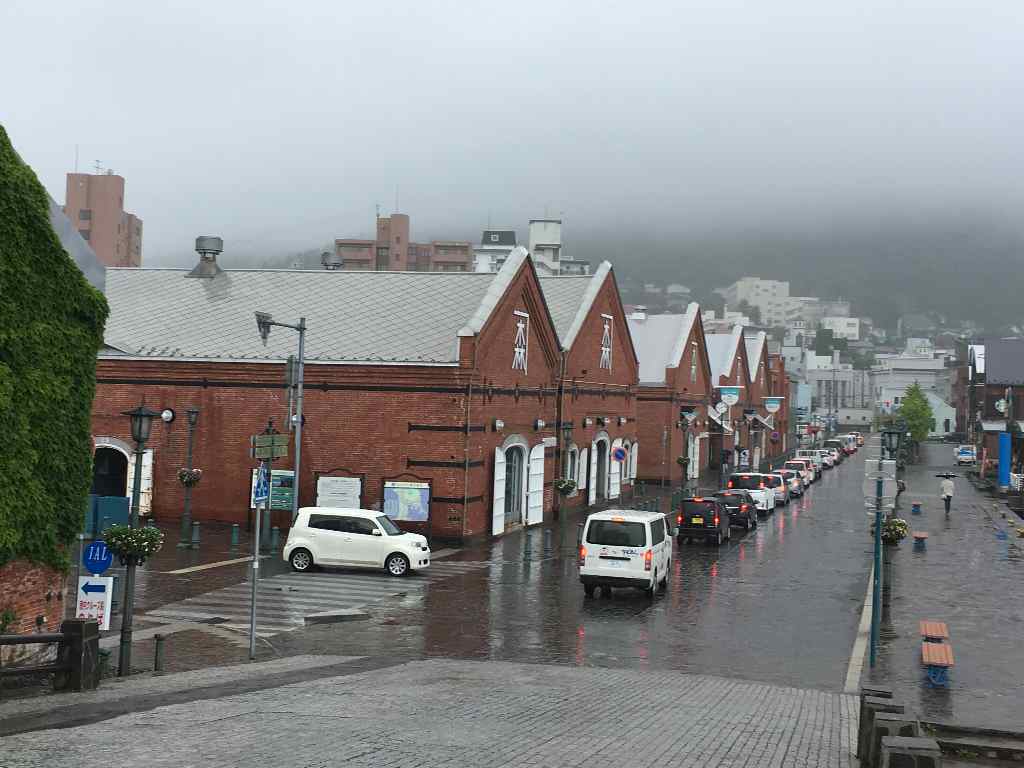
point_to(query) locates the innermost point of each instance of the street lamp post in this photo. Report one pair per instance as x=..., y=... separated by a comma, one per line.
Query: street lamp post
x=889, y=440
x=142, y=422
x=264, y=322
x=186, y=517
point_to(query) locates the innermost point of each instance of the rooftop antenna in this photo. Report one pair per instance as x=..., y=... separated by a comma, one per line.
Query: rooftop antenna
x=98, y=166
x=76, y=158
x=396, y=198
x=378, y=210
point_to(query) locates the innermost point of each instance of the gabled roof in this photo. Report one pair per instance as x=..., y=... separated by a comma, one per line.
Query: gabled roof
x=570, y=298
x=660, y=341
x=722, y=349
x=1004, y=361
x=351, y=316
x=754, y=346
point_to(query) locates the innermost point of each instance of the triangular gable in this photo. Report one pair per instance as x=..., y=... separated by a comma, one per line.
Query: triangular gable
x=692, y=332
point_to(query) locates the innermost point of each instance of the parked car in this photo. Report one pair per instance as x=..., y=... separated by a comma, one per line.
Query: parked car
x=777, y=483
x=754, y=482
x=814, y=457
x=860, y=438
x=794, y=481
x=839, y=447
x=741, y=506
x=625, y=548
x=828, y=460
x=703, y=517
x=363, y=538
x=800, y=467
x=965, y=454
x=851, y=442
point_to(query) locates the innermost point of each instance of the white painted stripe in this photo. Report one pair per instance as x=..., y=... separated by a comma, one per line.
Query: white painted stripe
x=208, y=566
x=300, y=592
x=262, y=622
x=856, y=666
x=304, y=607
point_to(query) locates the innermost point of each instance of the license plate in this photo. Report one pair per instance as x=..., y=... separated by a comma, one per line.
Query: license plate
x=697, y=521
x=614, y=563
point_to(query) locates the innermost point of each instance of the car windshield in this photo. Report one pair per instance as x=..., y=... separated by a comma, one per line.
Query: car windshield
x=795, y=465
x=389, y=527
x=748, y=482
x=772, y=481
x=732, y=499
x=617, y=533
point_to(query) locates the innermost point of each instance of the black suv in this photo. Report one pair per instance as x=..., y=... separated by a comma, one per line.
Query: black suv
x=703, y=517
x=742, y=507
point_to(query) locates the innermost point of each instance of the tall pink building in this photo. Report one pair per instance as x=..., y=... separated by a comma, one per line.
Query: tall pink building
x=95, y=205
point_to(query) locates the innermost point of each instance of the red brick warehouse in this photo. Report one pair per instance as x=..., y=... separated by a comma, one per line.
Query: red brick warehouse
x=410, y=377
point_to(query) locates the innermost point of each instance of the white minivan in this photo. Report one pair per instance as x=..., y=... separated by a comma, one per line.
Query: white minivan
x=363, y=538
x=625, y=548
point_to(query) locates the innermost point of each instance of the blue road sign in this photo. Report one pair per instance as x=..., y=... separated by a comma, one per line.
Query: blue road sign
x=262, y=492
x=97, y=557
x=90, y=588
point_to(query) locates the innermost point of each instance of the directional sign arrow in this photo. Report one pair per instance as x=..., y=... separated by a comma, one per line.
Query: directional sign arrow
x=87, y=587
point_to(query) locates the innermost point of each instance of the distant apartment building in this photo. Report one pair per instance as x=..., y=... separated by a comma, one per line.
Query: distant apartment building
x=545, y=246
x=94, y=203
x=842, y=327
x=394, y=251
x=771, y=297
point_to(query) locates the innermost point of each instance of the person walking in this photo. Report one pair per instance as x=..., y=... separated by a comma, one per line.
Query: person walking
x=946, y=489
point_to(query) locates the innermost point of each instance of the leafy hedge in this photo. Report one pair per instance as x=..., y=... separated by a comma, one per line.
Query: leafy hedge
x=51, y=327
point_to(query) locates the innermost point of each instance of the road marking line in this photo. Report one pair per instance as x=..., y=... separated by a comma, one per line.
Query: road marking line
x=206, y=567
x=860, y=645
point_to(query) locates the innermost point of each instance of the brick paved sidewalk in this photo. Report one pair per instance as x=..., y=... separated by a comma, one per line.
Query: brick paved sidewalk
x=463, y=713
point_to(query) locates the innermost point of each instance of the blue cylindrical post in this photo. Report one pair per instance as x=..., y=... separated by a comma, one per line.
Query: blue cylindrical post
x=234, y=535
x=1004, y=460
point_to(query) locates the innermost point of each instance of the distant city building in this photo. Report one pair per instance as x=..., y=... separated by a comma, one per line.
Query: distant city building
x=393, y=251
x=495, y=246
x=94, y=203
x=842, y=327
x=770, y=297
x=725, y=323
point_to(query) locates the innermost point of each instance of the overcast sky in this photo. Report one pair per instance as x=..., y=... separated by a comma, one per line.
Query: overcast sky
x=281, y=125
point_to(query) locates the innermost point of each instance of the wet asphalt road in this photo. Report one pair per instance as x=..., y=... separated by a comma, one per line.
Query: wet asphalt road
x=779, y=604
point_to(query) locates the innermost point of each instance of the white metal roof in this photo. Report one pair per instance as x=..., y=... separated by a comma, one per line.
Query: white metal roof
x=722, y=349
x=660, y=341
x=570, y=298
x=352, y=316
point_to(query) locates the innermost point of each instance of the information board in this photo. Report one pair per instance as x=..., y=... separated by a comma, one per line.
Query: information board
x=92, y=601
x=343, y=492
x=407, y=501
x=282, y=488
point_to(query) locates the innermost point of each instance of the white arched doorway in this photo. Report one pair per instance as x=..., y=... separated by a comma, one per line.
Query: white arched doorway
x=511, y=482
x=615, y=472
x=105, y=459
x=597, y=472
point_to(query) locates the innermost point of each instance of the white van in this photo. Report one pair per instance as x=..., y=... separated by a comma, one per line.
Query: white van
x=625, y=548
x=353, y=537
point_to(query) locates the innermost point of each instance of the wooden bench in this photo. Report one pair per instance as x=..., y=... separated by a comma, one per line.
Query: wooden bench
x=934, y=631
x=937, y=659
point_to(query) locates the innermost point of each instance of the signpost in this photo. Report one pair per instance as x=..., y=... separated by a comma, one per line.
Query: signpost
x=93, y=598
x=97, y=558
x=266, y=446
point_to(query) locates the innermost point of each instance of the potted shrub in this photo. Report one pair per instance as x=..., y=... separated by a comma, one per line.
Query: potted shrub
x=894, y=530
x=133, y=545
x=565, y=486
x=189, y=477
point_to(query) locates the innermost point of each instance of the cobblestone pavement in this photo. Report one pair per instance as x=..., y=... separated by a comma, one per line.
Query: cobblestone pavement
x=969, y=576
x=458, y=713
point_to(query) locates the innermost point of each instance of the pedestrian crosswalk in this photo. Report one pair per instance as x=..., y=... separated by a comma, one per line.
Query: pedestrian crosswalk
x=284, y=602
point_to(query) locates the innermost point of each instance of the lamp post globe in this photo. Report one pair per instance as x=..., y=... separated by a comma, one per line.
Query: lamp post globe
x=142, y=422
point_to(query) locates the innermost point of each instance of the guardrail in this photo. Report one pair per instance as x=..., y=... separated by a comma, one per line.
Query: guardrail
x=77, y=666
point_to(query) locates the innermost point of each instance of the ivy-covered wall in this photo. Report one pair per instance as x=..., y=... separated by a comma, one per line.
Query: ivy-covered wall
x=51, y=327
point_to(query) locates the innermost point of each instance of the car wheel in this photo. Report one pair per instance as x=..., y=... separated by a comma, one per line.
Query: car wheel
x=397, y=564
x=746, y=524
x=718, y=539
x=664, y=579
x=753, y=521
x=649, y=591
x=588, y=590
x=301, y=560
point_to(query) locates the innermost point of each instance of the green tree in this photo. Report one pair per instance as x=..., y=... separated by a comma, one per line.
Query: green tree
x=748, y=309
x=51, y=327
x=917, y=412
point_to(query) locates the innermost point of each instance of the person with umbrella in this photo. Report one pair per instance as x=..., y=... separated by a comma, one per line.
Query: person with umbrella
x=946, y=489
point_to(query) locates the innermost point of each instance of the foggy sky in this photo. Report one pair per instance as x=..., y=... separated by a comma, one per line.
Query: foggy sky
x=280, y=125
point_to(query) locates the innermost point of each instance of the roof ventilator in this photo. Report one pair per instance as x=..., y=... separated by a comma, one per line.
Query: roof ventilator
x=207, y=246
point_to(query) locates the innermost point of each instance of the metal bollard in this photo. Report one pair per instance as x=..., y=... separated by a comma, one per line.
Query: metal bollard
x=234, y=535
x=195, y=535
x=158, y=654
x=275, y=537
x=265, y=530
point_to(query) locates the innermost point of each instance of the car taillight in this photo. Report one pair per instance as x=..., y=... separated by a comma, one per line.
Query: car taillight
x=679, y=519
x=716, y=520
x=761, y=485
x=583, y=555
x=648, y=559
x=744, y=507
x=729, y=485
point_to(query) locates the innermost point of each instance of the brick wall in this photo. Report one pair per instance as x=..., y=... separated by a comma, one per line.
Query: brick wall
x=31, y=591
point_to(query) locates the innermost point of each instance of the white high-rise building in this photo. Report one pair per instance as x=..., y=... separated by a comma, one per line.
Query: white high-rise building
x=771, y=297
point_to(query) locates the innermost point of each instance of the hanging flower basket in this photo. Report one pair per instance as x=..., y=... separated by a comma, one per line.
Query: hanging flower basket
x=133, y=545
x=682, y=461
x=565, y=486
x=894, y=530
x=190, y=477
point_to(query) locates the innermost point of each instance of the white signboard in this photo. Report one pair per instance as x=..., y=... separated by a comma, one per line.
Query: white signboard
x=729, y=395
x=870, y=488
x=339, y=492
x=93, y=599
